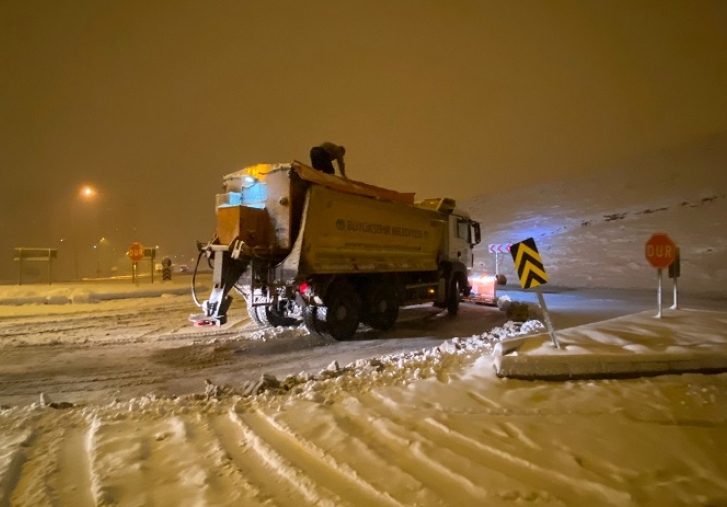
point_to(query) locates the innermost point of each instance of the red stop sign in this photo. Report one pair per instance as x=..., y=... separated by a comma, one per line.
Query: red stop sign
x=136, y=251
x=660, y=250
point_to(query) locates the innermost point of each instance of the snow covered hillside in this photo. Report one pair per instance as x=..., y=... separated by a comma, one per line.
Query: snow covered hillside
x=591, y=231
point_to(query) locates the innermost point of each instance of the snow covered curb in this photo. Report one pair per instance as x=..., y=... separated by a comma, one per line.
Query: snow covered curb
x=683, y=341
x=616, y=366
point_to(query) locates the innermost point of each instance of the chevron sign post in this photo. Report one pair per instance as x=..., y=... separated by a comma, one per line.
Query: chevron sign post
x=498, y=248
x=532, y=274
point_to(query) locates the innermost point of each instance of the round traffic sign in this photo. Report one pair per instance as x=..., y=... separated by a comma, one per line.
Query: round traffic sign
x=660, y=250
x=136, y=251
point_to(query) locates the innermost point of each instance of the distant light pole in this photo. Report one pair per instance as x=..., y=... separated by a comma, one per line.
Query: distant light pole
x=97, y=248
x=86, y=193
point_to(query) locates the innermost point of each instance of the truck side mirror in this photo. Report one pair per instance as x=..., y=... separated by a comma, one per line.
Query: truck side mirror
x=476, y=230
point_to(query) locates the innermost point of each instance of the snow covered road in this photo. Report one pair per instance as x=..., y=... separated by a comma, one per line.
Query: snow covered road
x=457, y=437
x=140, y=409
x=94, y=352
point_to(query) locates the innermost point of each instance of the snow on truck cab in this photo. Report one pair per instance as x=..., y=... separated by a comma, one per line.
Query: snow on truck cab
x=304, y=246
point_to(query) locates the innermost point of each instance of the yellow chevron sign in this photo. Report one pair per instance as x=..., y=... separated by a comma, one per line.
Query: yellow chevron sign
x=528, y=263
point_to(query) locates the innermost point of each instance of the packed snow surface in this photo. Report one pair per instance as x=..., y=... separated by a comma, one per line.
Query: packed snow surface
x=431, y=427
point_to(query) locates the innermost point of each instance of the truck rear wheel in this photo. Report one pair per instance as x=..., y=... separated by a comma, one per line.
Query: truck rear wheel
x=382, y=307
x=267, y=316
x=342, y=314
x=314, y=318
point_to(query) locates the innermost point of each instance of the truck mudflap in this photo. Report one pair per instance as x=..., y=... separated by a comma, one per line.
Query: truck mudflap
x=228, y=265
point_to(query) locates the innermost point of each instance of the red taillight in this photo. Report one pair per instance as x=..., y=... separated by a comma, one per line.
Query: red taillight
x=303, y=287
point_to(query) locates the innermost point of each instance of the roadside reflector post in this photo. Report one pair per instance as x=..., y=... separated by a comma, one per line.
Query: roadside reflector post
x=658, y=295
x=498, y=248
x=532, y=274
x=675, y=297
x=674, y=272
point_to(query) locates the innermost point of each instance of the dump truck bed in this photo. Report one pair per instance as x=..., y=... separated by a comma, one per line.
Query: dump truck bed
x=347, y=233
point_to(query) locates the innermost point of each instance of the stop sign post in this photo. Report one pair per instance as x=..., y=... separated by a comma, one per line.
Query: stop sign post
x=135, y=253
x=661, y=251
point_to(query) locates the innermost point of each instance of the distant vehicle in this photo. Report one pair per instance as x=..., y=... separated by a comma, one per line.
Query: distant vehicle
x=183, y=268
x=158, y=268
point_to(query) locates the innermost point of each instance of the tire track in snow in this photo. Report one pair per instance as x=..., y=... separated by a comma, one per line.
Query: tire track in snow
x=167, y=460
x=343, y=442
x=397, y=450
x=231, y=484
x=559, y=484
x=69, y=388
x=115, y=455
x=260, y=477
x=448, y=466
x=182, y=469
x=106, y=325
x=74, y=469
x=543, y=478
x=13, y=455
x=321, y=466
x=38, y=478
x=312, y=492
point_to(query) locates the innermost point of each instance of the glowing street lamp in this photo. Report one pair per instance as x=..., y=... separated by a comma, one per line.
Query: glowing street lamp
x=87, y=192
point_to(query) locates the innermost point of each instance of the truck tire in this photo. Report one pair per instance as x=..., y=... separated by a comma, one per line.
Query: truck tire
x=257, y=316
x=382, y=307
x=266, y=316
x=314, y=318
x=454, y=296
x=342, y=315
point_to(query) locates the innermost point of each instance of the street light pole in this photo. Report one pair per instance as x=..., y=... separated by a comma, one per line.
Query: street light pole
x=97, y=248
x=86, y=193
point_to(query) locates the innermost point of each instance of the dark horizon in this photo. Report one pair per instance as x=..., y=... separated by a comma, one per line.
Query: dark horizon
x=153, y=103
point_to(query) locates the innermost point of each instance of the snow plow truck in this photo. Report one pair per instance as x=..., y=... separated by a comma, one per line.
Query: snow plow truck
x=304, y=246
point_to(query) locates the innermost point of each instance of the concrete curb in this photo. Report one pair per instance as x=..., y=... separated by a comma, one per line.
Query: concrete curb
x=578, y=367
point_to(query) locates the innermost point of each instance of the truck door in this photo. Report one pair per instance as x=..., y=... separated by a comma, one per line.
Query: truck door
x=460, y=239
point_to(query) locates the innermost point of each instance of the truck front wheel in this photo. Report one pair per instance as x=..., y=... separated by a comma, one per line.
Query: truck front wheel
x=455, y=290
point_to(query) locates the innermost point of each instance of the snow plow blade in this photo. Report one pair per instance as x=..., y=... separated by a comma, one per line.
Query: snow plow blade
x=640, y=345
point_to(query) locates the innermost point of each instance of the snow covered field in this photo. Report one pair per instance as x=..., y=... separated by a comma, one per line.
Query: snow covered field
x=429, y=427
x=433, y=427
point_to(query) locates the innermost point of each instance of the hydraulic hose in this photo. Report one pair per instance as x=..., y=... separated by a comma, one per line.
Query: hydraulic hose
x=194, y=279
